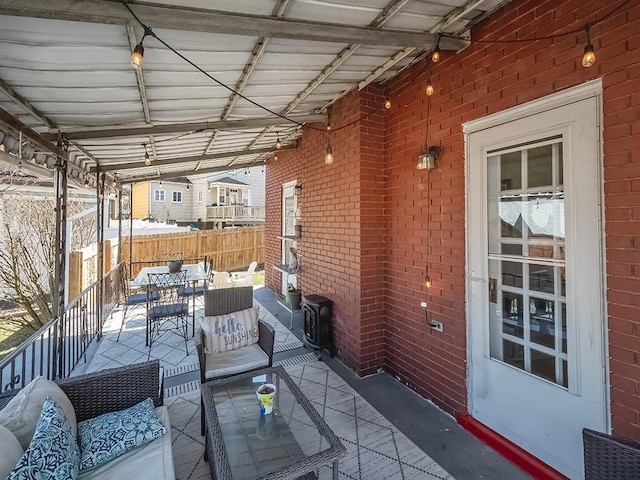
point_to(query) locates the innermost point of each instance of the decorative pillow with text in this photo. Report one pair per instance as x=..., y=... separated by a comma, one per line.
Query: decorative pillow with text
x=230, y=331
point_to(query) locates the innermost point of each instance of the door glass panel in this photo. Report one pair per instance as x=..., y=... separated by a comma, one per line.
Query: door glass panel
x=539, y=162
x=525, y=202
x=513, y=354
x=510, y=171
x=541, y=278
x=543, y=365
x=542, y=325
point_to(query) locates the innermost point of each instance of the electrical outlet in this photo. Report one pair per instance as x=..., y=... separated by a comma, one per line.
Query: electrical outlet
x=423, y=304
x=436, y=325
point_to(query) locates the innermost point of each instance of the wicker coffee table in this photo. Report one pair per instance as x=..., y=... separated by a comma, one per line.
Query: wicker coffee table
x=241, y=444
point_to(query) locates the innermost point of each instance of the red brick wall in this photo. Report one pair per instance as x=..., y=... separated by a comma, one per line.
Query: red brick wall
x=483, y=79
x=371, y=228
x=342, y=246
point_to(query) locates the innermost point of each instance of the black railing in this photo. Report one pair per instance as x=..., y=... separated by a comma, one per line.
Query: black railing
x=55, y=349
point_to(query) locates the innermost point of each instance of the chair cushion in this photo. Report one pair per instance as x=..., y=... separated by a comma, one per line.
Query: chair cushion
x=153, y=460
x=188, y=291
x=110, y=435
x=230, y=331
x=235, y=361
x=12, y=451
x=21, y=414
x=136, y=298
x=169, y=310
x=53, y=452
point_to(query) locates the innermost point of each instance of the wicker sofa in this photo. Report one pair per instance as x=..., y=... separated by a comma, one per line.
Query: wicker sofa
x=113, y=390
x=223, y=301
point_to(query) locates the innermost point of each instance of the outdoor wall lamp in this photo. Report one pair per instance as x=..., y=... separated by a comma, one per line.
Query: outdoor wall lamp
x=428, y=158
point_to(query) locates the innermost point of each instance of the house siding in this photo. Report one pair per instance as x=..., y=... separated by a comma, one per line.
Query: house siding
x=370, y=225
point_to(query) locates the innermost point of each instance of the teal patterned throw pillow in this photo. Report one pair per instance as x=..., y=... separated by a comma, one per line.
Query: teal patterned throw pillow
x=110, y=435
x=53, y=452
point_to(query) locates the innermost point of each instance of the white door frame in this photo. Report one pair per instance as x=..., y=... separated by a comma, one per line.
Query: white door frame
x=290, y=277
x=588, y=90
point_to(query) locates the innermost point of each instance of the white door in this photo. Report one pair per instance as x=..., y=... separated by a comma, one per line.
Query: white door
x=289, y=261
x=535, y=304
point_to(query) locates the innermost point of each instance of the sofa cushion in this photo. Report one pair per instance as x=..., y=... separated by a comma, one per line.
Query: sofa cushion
x=233, y=330
x=21, y=414
x=108, y=436
x=235, y=361
x=153, y=460
x=11, y=451
x=53, y=452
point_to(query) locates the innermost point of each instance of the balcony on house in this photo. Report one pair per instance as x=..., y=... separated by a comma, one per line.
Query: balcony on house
x=235, y=214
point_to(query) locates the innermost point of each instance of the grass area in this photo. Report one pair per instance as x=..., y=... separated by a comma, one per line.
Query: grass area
x=11, y=336
x=258, y=278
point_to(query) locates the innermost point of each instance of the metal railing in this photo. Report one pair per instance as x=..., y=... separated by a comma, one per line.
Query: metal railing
x=55, y=349
x=236, y=213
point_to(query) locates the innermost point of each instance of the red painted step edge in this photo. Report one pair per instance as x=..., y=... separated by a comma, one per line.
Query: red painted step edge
x=512, y=452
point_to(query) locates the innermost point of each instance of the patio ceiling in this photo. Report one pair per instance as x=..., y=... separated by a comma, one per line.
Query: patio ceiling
x=65, y=74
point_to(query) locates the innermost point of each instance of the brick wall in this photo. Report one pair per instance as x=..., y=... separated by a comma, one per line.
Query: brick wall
x=426, y=210
x=372, y=227
x=342, y=247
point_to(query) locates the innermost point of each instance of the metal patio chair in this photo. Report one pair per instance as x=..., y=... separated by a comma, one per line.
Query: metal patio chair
x=129, y=297
x=167, y=311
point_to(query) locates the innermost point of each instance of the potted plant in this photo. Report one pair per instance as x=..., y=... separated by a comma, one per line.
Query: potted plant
x=294, y=296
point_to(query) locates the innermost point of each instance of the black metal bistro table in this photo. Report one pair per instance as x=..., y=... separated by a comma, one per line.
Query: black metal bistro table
x=241, y=444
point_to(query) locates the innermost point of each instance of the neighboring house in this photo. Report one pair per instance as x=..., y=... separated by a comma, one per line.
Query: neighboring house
x=504, y=283
x=167, y=200
x=230, y=198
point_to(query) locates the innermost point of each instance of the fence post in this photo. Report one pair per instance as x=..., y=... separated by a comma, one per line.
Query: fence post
x=106, y=257
x=75, y=274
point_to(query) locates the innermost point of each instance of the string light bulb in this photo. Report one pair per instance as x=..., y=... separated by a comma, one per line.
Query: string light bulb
x=435, y=56
x=278, y=143
x=328, y=158
x=328, y=127
x=86, y=183
x=147, y=157
x=429, y=88
x=387, y=104
x=137, y=56
x=427, y=280
x=589, y=56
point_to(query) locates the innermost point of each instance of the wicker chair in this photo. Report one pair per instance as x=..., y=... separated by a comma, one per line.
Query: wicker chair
x=609, y=458
x=108, y=390
x=222, y=301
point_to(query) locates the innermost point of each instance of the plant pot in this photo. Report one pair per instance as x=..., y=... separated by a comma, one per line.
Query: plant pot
x=174, y=266
x=295, y=297
x=297, y=230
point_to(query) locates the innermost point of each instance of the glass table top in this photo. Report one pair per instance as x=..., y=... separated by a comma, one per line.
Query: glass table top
x=292, y=437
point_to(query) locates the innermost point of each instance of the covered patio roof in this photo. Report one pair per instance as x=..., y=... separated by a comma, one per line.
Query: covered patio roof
x=221, y=81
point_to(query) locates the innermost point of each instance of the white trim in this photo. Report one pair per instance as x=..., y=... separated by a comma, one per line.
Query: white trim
x=173, y=193
x=588, y=89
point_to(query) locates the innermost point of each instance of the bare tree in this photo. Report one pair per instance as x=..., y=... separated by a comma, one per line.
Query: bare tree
x=27, y=252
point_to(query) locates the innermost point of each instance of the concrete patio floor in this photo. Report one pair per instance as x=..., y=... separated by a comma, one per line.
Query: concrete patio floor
x=431, y=430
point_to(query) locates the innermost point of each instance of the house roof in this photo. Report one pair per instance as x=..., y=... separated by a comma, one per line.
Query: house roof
x=65, y=73
x=229, y=181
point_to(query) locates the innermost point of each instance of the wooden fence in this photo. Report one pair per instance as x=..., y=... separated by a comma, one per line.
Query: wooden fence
x=229, y=249
x=226, y=250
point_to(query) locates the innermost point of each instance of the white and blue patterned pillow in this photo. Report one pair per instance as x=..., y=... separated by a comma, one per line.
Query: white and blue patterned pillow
x=53, y=452
x=110, y=435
